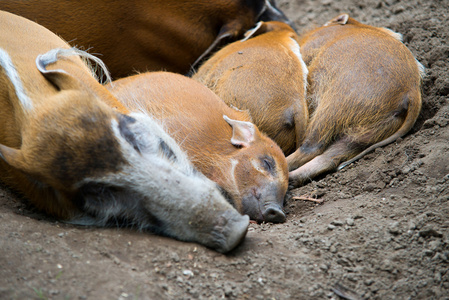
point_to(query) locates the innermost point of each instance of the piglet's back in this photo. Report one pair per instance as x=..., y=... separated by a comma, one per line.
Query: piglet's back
x=179, y=101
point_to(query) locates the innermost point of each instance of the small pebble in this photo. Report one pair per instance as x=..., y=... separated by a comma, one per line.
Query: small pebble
x=337, y=223
x=433, y=245
x=398, y=10
x=350, y=221
x=429, y=231
x=394, y=228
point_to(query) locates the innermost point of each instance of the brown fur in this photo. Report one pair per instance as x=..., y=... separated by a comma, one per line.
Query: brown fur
x=264, y=76
x=142, y=35
x=42, y=158
x=77, y=159
x=364, y=90
x=193, y=115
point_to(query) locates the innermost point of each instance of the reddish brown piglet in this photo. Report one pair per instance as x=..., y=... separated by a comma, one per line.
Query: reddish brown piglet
x=265, y=75
x=220, y=141
x=364, y=92
x=144, y=35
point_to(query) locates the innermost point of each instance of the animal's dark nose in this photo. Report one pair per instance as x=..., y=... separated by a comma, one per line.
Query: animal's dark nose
x=274, y=215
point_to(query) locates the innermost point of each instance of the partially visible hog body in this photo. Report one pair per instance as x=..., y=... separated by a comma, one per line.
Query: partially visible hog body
x=145, y=35
x=74, y=151
x=266, y=76
x=221, y=142
x=364, y=92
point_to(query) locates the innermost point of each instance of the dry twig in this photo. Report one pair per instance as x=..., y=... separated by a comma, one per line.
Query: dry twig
x=307, y=198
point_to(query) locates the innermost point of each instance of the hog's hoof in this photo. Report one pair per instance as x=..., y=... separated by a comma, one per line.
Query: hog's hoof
x=230, y=231
x=296, y=180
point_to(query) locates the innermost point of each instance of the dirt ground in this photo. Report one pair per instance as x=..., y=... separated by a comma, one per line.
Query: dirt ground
x=382, y=231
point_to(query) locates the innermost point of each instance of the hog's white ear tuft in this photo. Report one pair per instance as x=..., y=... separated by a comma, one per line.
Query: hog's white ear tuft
x=341, y=19
x=243, y=133
x=59, y=78
x=52, y=56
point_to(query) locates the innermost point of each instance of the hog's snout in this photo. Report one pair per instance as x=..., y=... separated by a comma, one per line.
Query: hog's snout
x=273, y=214
x=229, y=231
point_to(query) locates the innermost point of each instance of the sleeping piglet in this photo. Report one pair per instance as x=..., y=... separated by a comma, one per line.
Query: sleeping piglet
x=364, y=92
x=220, y=141
x=264, y=74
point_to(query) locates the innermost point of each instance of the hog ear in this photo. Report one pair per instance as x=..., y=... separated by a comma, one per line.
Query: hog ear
x=243, y=133
x=264, y=27
x=341, y=19
x=59, y=78
x=11, y=156
x=226, y=33
x=261, y=27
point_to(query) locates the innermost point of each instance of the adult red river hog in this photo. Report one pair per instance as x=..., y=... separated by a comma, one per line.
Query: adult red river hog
x=265, y=75
x=66, y=144
x=220, y=141
x=364, y=92
x=145, y=35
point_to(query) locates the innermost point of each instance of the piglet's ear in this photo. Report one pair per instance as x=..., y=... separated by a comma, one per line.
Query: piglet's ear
x=264, y=27
x=341, y=19
x=243, y=133
x=261, y=27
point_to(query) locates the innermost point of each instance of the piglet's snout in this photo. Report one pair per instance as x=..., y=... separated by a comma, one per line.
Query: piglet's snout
x=273, y=213
x=272, y=200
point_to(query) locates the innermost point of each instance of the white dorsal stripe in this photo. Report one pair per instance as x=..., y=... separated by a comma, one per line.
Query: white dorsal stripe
x=294, y=46
x=394, y=34
x=421, y=69
x=11, y=73
x=399, y=37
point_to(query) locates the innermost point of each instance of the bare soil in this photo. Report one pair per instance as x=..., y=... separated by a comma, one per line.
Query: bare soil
x=382, y=230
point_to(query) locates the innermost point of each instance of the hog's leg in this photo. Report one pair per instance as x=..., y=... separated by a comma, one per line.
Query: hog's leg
x=329, y=160
x=302, y=155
